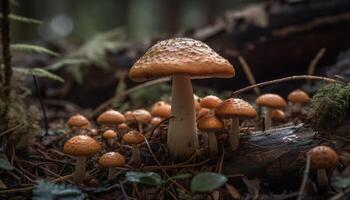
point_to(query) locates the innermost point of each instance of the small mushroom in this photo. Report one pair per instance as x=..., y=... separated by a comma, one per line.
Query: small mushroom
x=81, y=146
x=111, y=160
x=322, y=158
x=270, y=102
x=110, y=119
x=161, y=109
x=210, y=123
x=210, y=102
x=235, y=109
x=202, y=112
x=277, y=115
x=182, y=59
x=110, y=136
x=134, y=138
x=298, y=97
x=78, y=123
x=155, y=121
x=123, y=127
x=142, y=117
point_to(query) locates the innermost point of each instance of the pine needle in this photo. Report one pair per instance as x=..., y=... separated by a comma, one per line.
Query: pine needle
x=23, y=19
x=38, y=72
x=33, y=49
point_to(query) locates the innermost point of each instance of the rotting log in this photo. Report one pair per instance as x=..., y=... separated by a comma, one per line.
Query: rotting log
x=278, y=153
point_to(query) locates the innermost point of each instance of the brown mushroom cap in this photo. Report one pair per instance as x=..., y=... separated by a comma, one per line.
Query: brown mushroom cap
x=323, y=157
x=133, y=137
x=277, y=115
x=129, y=118
x=142, y=116
x=78, y=121
x=235, y=107
x=109, y=134
x=161, y=109
x=155, y=121
x=210, y=102
x=202, y=112
x=110, y=117
x=81, y=145
x=210, y=123
x=123, y=127
x=180, y=56
x=111, y=159
x=271, y=101
x=298, y=96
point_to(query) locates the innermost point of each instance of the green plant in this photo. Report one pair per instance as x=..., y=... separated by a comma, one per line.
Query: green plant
x=330, y=107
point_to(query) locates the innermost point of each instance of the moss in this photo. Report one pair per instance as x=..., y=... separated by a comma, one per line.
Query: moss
x=330, y=107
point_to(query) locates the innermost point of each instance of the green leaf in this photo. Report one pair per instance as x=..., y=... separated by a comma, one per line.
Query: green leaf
x=341, y=183
x=38, y=72
x=64, y=62
x=33, y=49
x=4, y=162
x=23, y=19
x=208, y=181
x=146, y=178
x=181, y=176
x=45, y=190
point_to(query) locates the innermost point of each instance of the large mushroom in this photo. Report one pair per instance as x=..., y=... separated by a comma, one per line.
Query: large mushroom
x=235, y=109
x=183, y=59
x=270, y=102
x=81, y=146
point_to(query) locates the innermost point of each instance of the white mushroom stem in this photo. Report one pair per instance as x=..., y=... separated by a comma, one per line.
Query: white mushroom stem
x=111, y=173
x=136, y=157
x=296, y=108
x=267, y=117
x=140, y=126
x=182, y=132
x=322, y=178
x=80, y=167
x=234, y=133
x=212, y=143
x=110, y=142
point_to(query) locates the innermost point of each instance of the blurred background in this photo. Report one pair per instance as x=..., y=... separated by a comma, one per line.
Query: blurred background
x=79, y=20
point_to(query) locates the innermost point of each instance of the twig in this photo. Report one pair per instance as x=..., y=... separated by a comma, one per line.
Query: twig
x=249, y=74
x=289, y=78
x=46, y=123
x=117, y=97
x=305, y=178
x=314, y=62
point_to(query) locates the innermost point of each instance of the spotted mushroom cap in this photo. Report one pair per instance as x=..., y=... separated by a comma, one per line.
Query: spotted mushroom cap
x=323, y=157
x=210, y=123
x=180, y=56
x=110, y=117
x=78, y=121
x=161, y=109
x=210, y=102
x=142, y=116
x=235, y=107
x=111, y=159
x=133, y=137
x=109, y=134
x=278, y=115
x=271, y=101
x=129, y=118
x=81, y=145
x=298, y=96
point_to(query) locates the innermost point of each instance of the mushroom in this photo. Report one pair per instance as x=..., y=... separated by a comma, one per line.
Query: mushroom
x=210, y=102
x=142, y=117
x=161, y=109
x=110, y=136
x=111, y=160
x=182, y=59
x=123, y=127
x=298, y=97
x=202, y=112
x=81, y=146
x=277, y=115
x=110, y=118
x=155, y=121
x=322, y=158
x=235, y=109
x=78, y=123
x=134, y=138
x=210, y=124
x=270, y=102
